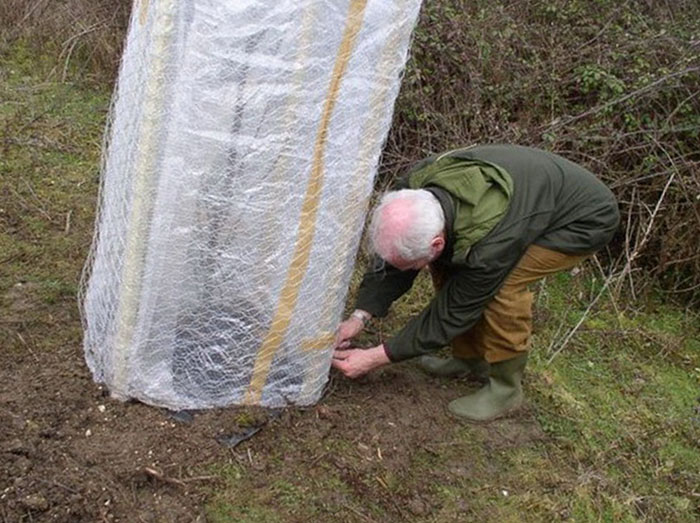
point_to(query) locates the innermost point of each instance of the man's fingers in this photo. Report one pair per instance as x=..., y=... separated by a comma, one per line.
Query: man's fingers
x=340, y=336
x=341, y=365
x=341, y=340
x=341, y=354
x=345, y=367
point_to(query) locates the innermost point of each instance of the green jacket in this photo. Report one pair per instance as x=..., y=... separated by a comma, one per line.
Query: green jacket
x=506, y=198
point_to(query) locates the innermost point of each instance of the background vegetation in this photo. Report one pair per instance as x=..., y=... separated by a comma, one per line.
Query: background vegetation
x=612, y=85
x=612, y=428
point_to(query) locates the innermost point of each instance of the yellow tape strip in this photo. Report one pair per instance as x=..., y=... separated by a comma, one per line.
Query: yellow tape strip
x=359, y=195
x=143, y=12
x=309, y=209
x=322, y=342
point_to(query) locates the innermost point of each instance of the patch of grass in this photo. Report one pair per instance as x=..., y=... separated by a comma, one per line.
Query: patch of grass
x=283, y=495
x=50, y=154
x=53, y=291
x=224, y=512
x=236, y=504
x=621, y=405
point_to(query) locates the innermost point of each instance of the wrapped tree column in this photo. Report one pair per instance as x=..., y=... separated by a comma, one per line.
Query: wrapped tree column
x=239, y=161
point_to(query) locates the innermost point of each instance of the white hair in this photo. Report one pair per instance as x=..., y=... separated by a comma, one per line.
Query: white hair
x=404, y=223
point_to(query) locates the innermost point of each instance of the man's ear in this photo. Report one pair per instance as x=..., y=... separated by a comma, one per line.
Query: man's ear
x=437, y=244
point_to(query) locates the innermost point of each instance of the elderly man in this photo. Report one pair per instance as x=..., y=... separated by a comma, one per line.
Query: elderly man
x=487, y=221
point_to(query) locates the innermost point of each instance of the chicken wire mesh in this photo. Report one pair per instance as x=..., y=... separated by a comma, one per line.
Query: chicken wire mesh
x=239, y=159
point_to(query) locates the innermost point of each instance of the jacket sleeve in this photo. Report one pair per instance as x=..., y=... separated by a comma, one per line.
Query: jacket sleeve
x=453, y=311
x=383, y=286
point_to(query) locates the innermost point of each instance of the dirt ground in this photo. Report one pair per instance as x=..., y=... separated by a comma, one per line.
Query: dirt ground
x=71, y=453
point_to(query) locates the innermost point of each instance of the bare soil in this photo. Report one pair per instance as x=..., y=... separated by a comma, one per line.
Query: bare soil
x=70, y=453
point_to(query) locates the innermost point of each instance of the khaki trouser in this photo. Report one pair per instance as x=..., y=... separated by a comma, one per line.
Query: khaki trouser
x=504, y=329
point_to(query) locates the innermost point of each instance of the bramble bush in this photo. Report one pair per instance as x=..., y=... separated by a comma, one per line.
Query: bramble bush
x=615, y=87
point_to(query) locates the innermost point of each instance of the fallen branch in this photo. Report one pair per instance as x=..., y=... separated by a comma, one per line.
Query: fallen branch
x=153, y=473
x=583, y=317
x=639, y=245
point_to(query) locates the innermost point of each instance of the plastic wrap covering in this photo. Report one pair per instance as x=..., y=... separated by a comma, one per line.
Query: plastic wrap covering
x=243, y=141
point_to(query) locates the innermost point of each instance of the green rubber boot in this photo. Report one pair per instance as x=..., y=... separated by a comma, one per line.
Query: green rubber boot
x=502, y=394
x=475, y=368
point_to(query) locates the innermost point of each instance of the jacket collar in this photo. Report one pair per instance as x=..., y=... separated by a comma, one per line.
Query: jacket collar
x=448, y=209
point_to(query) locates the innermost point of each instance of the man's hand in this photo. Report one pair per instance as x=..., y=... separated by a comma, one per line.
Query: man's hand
x=348, y=330
x=354, y=363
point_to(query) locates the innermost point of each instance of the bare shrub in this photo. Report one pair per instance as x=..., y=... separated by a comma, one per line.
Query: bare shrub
x=83, y=37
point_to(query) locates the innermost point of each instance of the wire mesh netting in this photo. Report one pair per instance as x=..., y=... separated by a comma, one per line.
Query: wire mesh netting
x=243, y=141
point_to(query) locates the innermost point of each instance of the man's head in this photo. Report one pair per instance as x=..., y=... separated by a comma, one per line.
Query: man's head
x=407, y=228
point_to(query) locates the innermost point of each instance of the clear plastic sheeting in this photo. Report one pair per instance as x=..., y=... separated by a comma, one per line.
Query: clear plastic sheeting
x=243, y=142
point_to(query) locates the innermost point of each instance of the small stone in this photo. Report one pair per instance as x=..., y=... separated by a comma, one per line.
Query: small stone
x=101, y=408
x=48, y=433
x=418, y=507
x=182, y=416
x=88, y=433
x=23, y=464
x=35, y=502
x=324, y=412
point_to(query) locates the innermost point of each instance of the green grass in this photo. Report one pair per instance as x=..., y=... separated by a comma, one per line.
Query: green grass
x=49, y=157
x=623, y=404
x=235, y=503
x=51, y=146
